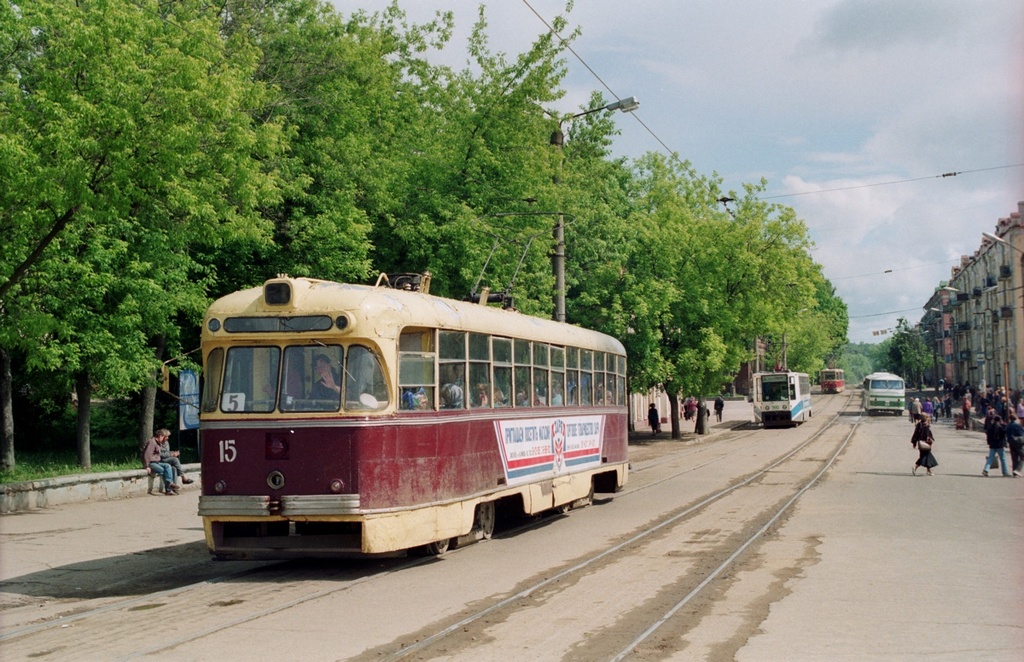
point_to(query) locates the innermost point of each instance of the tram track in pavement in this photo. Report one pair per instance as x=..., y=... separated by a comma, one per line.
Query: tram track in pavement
x=295, y=586
x=437, y=644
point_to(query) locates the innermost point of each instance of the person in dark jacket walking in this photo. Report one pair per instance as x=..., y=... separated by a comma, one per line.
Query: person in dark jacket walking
x=654, y=419
x=719, y=407
x=1015, y=440
x=995, y=435
x=923, y=440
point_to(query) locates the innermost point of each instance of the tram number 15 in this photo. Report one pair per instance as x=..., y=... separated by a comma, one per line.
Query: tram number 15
x=228, y=452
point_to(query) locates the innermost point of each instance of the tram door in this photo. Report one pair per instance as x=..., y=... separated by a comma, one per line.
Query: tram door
x=755, y=397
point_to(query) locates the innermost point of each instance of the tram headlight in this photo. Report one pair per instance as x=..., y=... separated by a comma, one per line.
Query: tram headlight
x=220, y=486
x=337, y=485
x=213, y=325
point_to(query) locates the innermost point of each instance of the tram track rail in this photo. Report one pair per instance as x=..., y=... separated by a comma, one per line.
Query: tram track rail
x=423, y=646
x=293, y=577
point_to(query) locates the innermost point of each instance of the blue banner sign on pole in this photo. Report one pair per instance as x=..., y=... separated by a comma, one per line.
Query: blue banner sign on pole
x=188, y=403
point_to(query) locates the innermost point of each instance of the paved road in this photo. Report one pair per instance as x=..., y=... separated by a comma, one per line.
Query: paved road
x=872, y=564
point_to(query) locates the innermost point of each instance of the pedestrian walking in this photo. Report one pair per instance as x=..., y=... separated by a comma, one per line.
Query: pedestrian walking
x=915, y=410
x=995, y=436
x=1015, y=440
x=719, y=407
x=923, y=440
x=654, y=419
x=927, y=409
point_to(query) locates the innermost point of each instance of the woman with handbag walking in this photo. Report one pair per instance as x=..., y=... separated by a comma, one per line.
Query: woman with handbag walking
x=923, y=440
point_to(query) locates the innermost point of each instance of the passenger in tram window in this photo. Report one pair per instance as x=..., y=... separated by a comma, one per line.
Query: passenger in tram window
x=414, y=399
x=452, y=393
x=482, y=398
x=452, y=396
x=326, y=384
x=502, y=386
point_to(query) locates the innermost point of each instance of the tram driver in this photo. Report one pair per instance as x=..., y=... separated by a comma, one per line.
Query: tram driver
x=326, y=383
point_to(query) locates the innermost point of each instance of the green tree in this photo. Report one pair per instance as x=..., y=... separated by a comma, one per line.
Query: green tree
x=125, y=128
x=906, y=353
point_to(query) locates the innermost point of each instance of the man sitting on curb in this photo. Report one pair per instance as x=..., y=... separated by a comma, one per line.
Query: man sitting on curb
x=153, y=465
x=167, y=456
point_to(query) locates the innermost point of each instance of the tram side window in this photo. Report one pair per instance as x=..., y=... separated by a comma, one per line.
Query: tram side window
x=480, y=370
x=586, y=377
x=557, y=398
x=452, y=366
x=250, y=381
x=211, y=379
x=311, y=379
x=599, y=384
x=365, y=387
x=416, y=369
x=502, y=358
x=572, y=376
x=620, y=380
x=523, y=380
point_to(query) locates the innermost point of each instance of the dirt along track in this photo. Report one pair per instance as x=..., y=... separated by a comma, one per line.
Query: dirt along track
x=686, y=563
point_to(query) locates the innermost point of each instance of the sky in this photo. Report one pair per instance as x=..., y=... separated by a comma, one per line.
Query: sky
x=852, y=110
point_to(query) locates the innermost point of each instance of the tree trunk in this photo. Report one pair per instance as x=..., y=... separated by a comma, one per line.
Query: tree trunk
x=83, y=388
x=701, y=427
x=148, y=410
x=673, y=405
x=6, y=412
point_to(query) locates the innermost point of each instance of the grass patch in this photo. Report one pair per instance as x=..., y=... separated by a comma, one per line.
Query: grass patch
x=36, y=465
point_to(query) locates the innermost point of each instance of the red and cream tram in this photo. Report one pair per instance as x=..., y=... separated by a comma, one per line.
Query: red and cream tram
x=832, y=380
x=346, y=418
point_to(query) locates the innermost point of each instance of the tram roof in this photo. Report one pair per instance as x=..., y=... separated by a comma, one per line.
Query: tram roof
x=383, y=312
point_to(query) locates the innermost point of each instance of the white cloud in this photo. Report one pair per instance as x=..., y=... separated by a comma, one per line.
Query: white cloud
x=816, y=96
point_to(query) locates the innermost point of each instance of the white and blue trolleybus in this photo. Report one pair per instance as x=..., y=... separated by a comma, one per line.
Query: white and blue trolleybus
x=781, y=399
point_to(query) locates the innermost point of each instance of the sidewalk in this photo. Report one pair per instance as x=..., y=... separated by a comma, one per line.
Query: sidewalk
x=49, y=492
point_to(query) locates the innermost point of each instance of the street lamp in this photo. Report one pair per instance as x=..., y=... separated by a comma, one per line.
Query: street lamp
x=627, y=105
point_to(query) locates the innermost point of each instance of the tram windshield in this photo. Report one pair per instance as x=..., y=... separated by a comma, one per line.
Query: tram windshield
x=776, y=390
x=309, y=378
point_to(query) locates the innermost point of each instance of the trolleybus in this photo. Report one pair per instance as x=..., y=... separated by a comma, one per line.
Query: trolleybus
x=832, y=380
x=342, y=418
x=884, y=392
x=781, y=399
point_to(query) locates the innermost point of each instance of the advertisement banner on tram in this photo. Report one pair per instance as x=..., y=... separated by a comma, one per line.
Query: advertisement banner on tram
x=549, y=446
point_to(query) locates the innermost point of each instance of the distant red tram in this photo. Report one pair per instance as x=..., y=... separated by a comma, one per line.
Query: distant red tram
x=832, y=380
x=345, y=418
